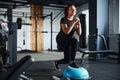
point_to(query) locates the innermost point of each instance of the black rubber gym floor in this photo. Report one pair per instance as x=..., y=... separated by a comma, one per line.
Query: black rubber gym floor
x=98, y=70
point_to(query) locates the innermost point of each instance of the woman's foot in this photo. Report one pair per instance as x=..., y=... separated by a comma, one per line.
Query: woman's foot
x=73, y=64
x=56, y=66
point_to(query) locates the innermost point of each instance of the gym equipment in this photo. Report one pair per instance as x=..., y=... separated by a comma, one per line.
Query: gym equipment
x=12, y=44
x=12, y=37
x=83, y=42
x=19, y=22
x=15, y=72
x=106, y=51
x=74, y=74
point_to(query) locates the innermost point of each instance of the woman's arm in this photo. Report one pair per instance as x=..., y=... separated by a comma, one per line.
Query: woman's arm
x=79, y=29
x=67, y=29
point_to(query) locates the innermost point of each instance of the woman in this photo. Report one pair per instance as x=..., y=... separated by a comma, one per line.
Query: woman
x=65, y=38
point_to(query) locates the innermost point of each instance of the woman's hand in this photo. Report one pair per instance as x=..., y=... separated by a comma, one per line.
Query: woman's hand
x=77, y=20
x=78, y=29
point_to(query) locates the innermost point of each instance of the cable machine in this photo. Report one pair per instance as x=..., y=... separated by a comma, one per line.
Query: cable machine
x=12, y=37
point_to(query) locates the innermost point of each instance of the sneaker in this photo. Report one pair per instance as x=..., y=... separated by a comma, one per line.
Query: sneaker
x=74, y=65
x=56, y=66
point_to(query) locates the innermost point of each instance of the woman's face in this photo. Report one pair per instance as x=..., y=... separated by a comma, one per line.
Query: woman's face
x=72, y=10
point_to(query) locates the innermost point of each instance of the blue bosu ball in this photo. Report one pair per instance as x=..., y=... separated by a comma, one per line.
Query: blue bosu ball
x=76, y=73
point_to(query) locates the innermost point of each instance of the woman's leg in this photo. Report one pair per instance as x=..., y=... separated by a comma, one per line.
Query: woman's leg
x=74, y=48
x=66, y=51
x=65, y=60
x=67, y=54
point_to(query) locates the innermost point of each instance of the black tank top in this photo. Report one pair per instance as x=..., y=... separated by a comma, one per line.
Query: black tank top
x=61, y=34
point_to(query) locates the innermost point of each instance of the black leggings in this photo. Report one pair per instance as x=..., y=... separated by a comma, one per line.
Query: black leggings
x=70, y=47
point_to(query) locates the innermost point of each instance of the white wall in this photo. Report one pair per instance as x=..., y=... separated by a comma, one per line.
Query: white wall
x=113, y=17
x=82, y=8
x=119, y=16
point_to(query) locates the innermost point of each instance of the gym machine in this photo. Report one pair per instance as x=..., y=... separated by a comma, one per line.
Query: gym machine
x=15, y=69
x=12, y=37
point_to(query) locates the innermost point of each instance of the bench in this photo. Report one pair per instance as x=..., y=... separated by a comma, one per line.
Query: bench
x=86, y=51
